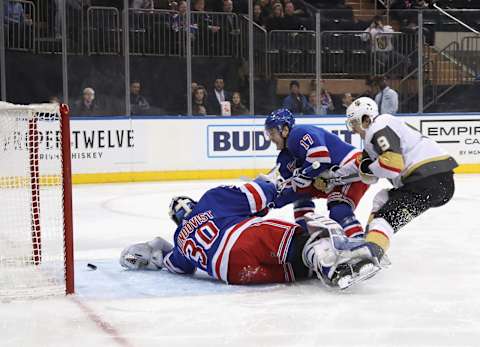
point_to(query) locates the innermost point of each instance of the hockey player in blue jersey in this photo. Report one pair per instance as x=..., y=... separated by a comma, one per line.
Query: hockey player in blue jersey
x=222, y=235
x=302, y=145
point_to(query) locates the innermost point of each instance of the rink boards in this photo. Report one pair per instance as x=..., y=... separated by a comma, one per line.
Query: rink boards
x=150, y=148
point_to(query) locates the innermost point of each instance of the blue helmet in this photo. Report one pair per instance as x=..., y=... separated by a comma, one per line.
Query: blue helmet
x=180, y=208
x=280, y=118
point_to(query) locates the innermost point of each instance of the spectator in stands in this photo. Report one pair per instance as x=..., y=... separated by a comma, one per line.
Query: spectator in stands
x=237, y=108
x=227, y=6
x=141, y=4
x=267, y=9
x=207, y=31
x=178, y=21
x=295, y=102
x=229, y=31
x=312, y=103
x=326, y=103
x=218, y=95
x=199, y=6
x=138, y=103
x=381, y=41
x=347, y=99
x=275, y=21
x=199, y=104
x=290, y=20
x=178, y=24
x=71, y=6
x=87, y=105
x=14, y=13
x=257, y=15
x=377, y=27
x=386, y=98
x=171, y=5
x=194, y=86
x=369, y=90
x=300, y=8
x=19, y=30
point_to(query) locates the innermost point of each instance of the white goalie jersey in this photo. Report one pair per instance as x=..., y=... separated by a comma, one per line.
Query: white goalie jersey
x=401, y=153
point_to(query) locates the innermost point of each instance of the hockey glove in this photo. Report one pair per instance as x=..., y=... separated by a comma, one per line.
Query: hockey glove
x=146, y=255
x=300, y=181
x=366, y=175
x=324, y=182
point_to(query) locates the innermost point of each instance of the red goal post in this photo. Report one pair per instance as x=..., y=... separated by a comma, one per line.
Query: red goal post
x=36, y=226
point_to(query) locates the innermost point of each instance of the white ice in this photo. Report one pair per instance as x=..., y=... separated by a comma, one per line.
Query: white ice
x=430, y=296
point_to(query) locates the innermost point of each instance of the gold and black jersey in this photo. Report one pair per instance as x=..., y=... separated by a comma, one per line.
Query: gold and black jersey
x=401, y=153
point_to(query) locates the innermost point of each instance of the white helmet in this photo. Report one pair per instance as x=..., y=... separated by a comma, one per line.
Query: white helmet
x=360, y=107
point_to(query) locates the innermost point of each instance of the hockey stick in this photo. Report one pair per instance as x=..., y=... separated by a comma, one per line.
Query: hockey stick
x=272, y=170
x=343, y=180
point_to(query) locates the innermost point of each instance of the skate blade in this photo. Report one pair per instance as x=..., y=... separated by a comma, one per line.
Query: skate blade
x=367, y=271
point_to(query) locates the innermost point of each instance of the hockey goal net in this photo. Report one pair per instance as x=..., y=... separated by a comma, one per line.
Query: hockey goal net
x=36, y=242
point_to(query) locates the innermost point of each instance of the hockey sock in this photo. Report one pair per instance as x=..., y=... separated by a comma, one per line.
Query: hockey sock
x=343, y=214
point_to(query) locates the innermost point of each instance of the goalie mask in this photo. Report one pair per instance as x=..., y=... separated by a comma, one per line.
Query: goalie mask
x=180, y=208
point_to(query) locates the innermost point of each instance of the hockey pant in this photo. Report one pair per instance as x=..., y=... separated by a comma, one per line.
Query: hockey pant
x=412, y=199
x=267, y=252
x=407, y=202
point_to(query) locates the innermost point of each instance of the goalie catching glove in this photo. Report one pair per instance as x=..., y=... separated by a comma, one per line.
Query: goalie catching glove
x=146, y=255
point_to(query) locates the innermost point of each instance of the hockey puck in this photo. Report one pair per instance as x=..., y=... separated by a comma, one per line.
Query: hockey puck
x=91, y=266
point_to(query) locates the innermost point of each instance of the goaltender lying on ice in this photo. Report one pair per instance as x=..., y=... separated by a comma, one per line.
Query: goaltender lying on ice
x=225, y=235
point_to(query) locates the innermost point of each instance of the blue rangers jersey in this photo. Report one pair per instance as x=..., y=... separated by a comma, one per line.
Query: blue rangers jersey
x=287, y=163
x=204, y=240
x=308, y=143
x=305, y=145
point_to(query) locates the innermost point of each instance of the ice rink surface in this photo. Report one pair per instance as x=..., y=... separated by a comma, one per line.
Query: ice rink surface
x=430, y=296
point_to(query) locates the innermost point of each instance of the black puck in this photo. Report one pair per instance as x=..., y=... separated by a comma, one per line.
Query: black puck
x=91, y=266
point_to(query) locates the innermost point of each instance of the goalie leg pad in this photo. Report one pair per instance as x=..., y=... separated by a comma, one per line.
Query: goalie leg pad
x=325, y=225
x=319, y=256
